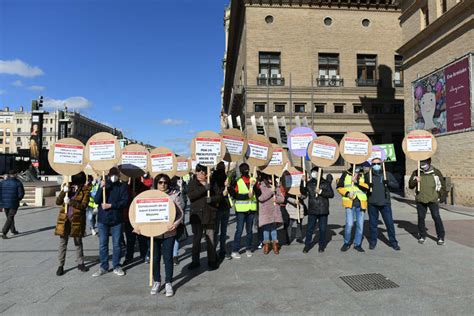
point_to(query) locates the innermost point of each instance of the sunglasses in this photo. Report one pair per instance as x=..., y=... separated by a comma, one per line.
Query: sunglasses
x=377, y=164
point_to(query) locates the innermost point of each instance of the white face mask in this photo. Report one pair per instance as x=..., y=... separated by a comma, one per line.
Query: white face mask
x=314, y=174
x=114, y=179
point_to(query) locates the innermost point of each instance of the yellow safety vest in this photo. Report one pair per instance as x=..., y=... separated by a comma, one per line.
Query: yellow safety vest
x=350, y=187
x=245, y=205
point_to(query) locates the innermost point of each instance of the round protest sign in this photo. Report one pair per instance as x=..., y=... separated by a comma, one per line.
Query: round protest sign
x=292, y=178
x=103, y=151
x=162, y=160
x=323, y=151
x=278, y=161
x=66, y=156
x=377, y=152
x=207, y=148
x=355, y=147
x=134, y=162
x=299, y=139
x=235, y=143
x=182, y=166
x=88, y=170
x=419, y=145
x=259, y=151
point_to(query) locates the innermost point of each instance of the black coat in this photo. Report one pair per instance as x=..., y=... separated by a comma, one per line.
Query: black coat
x=197, y=194
x=318, y=205
x=11, y=193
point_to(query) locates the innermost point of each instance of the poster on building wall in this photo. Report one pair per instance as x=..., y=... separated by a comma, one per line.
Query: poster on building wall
x=442, y=100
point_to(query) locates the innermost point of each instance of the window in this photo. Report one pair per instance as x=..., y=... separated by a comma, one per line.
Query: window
x=377, y=109
x=51, y=121
x=8, y=132
x=398, y=81
x=269, y=69
x=396, y=109
x=7, y=141
x=327, y=21
x=338, y=108
x=50, y=129
x=442, y=7
x=366, y=70
x=1, y=141
x=319, y=108
x=259, y=107
x=269, y=19
x=18, y=139
x=8, y=120
x=328, y=70
x=365, y=22
x=7, y=150
x=1, y=131
x=18, y=130
x=358, y=108
x=280, y=107
x=300, y=108
x=44, y=130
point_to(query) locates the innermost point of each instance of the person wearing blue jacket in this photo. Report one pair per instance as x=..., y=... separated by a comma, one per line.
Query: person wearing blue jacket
x=110, y=220
x=11, y=193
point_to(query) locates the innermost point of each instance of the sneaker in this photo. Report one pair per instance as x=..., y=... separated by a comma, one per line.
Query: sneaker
x=235, y=255
x=321, y=249
x=60, y=271
x=421, y=240
x=440, y=242
x=305, y=249
x=93, y=232
x=155, y=288
x=248, y=253
x=300, y=241
x=359, y=248
x=82, y=267
x=99, y=272
x=397, y=248
x=175, y=261
x=169, y=290
x=371, y=247
x=345, y=247
x=16, y=232
x=194, y=265
x=118, y=271
x=260, y=245
x=4, y=236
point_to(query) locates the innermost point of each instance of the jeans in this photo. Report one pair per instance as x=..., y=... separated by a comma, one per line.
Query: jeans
x=10, y=223
x=269, y=230
x=247, y=219
x=116, y=232
x=386, y=211
x=91, y=218
x=175, y=248
x=352, y=213
x=163, y=246
x=421, y=209
x=198, y=230
x=131, y=239
x=222, y=220
x=323, y=224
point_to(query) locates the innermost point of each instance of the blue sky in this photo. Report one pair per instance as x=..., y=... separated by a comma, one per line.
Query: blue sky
x=149, y=67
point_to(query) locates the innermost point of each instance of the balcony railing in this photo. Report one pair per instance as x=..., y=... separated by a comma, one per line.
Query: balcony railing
x=273, y=81
x=330, y=82
x=367, y=82
x=398, y=83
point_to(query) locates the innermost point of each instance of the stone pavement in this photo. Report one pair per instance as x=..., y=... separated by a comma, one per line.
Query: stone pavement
x=433, y=280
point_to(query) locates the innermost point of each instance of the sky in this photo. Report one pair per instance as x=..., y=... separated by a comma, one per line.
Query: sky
x=151, y=68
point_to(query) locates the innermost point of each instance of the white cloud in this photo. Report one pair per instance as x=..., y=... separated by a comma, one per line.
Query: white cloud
x=17, y=83
x=71, y=103
x=117, y=108
x=20, y=68
x=2, y=91
x=172, y=122
x=36, y=88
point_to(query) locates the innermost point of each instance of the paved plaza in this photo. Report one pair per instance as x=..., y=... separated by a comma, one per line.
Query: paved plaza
x=432, y=279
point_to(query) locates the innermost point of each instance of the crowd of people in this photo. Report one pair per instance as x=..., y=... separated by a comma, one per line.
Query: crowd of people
x=257, y=201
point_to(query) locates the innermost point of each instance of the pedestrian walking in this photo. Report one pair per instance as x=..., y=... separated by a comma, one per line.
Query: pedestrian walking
x=11, y=193
x=432, y=191
x=71, y=221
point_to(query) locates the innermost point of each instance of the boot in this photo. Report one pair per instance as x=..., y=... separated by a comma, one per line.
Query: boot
x=276, y=248
x=266, y=247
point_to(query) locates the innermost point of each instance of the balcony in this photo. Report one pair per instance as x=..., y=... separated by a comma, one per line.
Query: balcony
x=274, y=80
x=334, y=81
x=367, y=82
x=398, y=83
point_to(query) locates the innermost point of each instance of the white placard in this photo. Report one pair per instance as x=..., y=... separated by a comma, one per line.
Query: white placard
x=139, y=159
x=208, y=151
x=300, y=141
x=375, y=154
x=162, y=162
x=258, y=150
x=293, y=179
x=419, y=143
x=277, y=158
x=324, y=150
x=68, y=154
x=234, y=144
x=356, y=146
x=182, y=165
x=152, y=210
x=102, y=150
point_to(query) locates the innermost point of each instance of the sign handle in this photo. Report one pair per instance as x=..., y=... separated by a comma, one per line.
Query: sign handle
x=418, y=183
x=298, y=207
x=319, y=181
x=384, y=173
x=304, y=171
x=254, y=173
x=209, y=181
x=370, y=178
x=103, y=189
x=66, y=204
x=274, y=189
x=151, y=260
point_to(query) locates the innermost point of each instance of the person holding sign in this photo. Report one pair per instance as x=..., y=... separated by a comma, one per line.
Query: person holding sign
x=379, y=202
x=110, y=220
x=318, y=207
x=353, y=189
x=72, y=223
x=219, y=178
x=432, y=190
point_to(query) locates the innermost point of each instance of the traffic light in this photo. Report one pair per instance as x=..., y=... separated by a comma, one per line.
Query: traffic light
x=40, y=103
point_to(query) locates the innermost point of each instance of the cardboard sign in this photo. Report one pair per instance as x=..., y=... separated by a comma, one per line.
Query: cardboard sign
x=103, y=151
x=138, y=159
x=355, y=147
x=207, y=148
x=68, y=154
x=152, y=210
x=323, y=151
x=258, y=150
x=161, y=162
x=235, y=144
x=389, y=152
x=278, y=161
x=419, y=145
x=292, y=180
x=182, y=166
x=299, y=139
x=277, y=157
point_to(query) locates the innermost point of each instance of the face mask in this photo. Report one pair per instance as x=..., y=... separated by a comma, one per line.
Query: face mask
x=314, y=174
x=425, y=167
x=114, y=179
x=357, y=170
x=377, y=167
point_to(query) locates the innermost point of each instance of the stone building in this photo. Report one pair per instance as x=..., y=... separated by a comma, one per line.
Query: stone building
x=331, y=63
x=437, y=37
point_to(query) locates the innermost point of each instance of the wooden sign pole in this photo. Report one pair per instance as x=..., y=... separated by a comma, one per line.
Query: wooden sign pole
x=304, y=171
x=418, y=183
x=319, y=181
x=384, y=172
x=274, y=189
x=353, y=172
x=103, y=189
x=298, y=207
x=209, y=181
x=151, y=260
x=370, y=178
x=66, y=204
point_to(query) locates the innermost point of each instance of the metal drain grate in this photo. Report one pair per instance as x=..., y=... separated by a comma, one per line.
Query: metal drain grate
x=368, y=282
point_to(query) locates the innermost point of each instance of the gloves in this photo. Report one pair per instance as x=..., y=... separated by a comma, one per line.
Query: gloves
x=207, y=186
x=208, y=200
x=66, y=189
x=66, y=200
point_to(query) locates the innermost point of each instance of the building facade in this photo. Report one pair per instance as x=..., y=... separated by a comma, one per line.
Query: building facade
x=438, y=37
x=332, y=64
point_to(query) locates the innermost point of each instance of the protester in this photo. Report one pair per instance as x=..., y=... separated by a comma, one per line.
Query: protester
x=432, y=190
x=293, y=213
x=72, y=221
x=245, y=202
x=353, y=189
x=91, y=211
x=176, y=190
x=318, y=207
x=219, y=179
x=163, y=244
x=269, y=214
x=203, y=216
x=379, y=202
x=131, y=237
x=110, y=220
x=11, y=193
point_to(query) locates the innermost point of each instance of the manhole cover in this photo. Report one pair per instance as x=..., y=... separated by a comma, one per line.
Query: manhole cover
x=368, y=282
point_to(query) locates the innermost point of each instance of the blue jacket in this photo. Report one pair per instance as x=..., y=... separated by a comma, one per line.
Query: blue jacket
x=117, y=195
x=11, y=193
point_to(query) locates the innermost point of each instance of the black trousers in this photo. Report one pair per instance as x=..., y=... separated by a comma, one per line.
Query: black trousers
x=421, y=209
x=10, y=223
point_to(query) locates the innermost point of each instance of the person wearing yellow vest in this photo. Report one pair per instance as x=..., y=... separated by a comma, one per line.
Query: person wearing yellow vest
x=354, y=190
x=245, y=203
x=91, y=210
